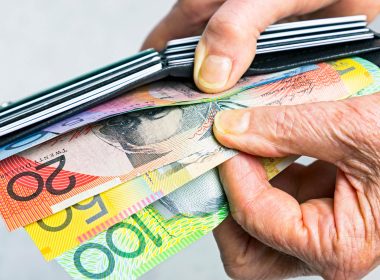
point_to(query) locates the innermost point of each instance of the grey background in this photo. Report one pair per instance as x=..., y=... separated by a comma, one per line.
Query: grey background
x=46, y=42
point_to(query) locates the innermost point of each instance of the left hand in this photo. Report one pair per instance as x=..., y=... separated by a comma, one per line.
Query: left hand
x=231, y=28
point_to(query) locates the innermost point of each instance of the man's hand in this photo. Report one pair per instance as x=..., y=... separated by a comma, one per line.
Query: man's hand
x=322, y=219
x=228, y=43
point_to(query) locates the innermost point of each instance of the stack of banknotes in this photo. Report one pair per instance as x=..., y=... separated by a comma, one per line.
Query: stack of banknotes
x=115, y=190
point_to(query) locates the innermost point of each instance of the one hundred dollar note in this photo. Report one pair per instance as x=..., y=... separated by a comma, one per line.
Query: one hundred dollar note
x=84, y=163
x=130, y=248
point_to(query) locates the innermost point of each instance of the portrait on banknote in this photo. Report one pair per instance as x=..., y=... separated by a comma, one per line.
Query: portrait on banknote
x=148, y=135
x=204, y=196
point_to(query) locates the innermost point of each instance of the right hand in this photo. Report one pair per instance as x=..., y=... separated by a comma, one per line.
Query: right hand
x=228, y=43
x=321, y=219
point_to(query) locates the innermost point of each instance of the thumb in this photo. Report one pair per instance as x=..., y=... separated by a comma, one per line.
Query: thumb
x=228, y=44
x=270, y=214
x=322, y=130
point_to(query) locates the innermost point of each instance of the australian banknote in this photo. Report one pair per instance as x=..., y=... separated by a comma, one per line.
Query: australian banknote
x=60, y=173
x=158, y=94
x=137, y=244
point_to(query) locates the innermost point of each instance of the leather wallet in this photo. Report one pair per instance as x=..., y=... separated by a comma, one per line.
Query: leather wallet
x=280, y=47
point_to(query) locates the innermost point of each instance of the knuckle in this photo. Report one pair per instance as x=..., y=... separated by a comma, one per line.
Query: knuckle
x=228, y=28
x=284, y=126
x=359, y=132
x=193, y=11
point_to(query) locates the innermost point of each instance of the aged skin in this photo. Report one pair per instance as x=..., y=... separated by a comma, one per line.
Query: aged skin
x=323, y=219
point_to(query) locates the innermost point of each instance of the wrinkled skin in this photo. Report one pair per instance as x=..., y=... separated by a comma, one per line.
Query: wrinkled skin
x=322, y=219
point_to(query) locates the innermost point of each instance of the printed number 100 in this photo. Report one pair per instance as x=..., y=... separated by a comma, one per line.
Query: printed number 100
x=138, y=231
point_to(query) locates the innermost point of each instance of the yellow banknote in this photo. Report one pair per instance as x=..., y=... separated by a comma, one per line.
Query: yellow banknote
x=354, y=74
x=69, y=228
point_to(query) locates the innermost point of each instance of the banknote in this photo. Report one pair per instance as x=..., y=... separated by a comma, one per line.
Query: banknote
x=158, y=94
x=131, y=144
x=374, y=70
x=336, y=80
x=130, y=248
x=69, y=228
x=46, y=240
x=51, y=177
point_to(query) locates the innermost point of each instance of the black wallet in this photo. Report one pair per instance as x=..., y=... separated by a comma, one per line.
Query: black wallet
x=280, y=47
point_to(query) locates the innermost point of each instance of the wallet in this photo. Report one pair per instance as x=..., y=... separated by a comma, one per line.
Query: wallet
x=280, y=47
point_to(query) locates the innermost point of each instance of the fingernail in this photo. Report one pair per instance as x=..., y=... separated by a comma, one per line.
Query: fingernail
x=211, y=71
x=232, y=122
x=215, y=71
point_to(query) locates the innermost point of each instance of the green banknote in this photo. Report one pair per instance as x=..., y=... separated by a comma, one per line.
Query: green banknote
x=134, y=246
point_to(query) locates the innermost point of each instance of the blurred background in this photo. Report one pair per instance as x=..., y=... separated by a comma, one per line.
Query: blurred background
x=46, y=42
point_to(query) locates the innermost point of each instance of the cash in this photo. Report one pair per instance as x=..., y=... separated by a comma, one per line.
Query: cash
x=69, y=228
x=116, y=190
x=78, y=165
x=159, y=94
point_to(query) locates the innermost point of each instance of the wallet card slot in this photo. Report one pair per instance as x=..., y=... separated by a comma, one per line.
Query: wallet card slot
x=359, y=20
x=287, y=41
x=75, y=89
x=46, y=93
x=315, y=22
x=18, y=135
x=139, y=70
x=188, y=57
x=292, y=33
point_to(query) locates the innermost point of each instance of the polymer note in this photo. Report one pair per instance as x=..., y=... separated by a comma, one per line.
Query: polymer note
x=81, y=164
x=160, y=94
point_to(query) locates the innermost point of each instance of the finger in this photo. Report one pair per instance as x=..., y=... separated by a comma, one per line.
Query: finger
x=243, y=255
x=271, y=215
x=228, y=43
x=187, y=18
x=307, y=182
x=324, y=130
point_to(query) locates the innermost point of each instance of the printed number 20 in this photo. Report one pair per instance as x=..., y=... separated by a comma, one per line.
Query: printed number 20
x=40, y=181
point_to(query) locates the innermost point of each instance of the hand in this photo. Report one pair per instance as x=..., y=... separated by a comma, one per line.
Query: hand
x=228, y=43
x=322, y=219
